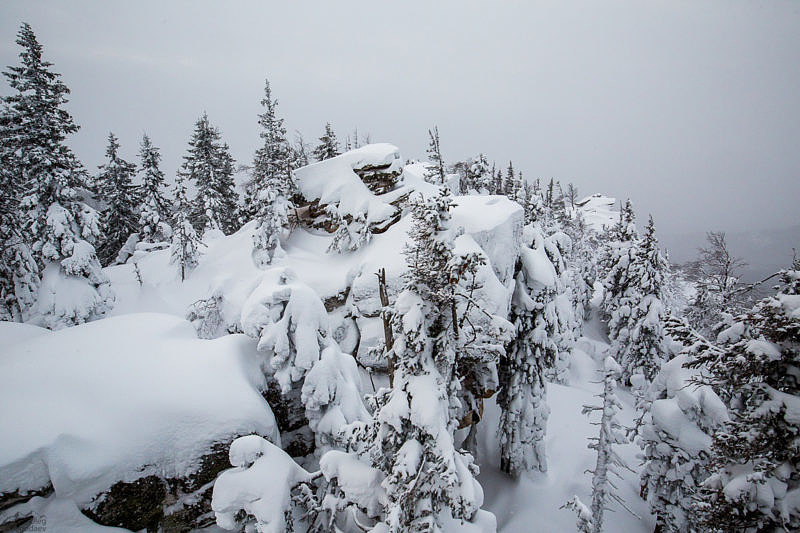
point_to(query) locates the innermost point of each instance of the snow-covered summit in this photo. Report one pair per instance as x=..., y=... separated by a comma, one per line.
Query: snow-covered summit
x=599, y=211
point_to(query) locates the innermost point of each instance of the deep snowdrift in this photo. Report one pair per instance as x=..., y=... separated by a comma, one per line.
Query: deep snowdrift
x=121, y=398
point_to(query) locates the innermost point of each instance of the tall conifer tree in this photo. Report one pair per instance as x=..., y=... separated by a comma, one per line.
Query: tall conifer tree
x=436, y=172
x=271, y=187
x=209, y=164
x=115, y=187
x=328, y=146
x=154, y=218
x=185, y=249
x=46, y=174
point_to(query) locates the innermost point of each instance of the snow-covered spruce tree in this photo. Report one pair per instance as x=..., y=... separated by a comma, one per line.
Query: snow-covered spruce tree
x=266, y=490
x=35, y=128
x=328, y=146
x=519, y=188
x=550, y=193
x=612, y=260
x=19, y=273
x=499, y=184
x=474, y=175
x=532, y=351
x=534, y=207
x=268, y=193
x=637, y=322
x=481, y=174
x=185, y=248
x=560, y=208
x=208, y=163
x=608, y=461
x=293, y=331
x=512, y=184
x=427, y=481
x=755, y=481
x=466, y=346
x=348, y=237
x=435, y=172
x=583, y=265
x=675, y=437
x=154, y=217
x=557, y=246
x=120, y=216
x=583, y=523
x=617, y=258
x=206, y=316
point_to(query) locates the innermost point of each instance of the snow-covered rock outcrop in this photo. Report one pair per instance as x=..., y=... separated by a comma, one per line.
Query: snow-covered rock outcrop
x=134, y=397
x=339, y=183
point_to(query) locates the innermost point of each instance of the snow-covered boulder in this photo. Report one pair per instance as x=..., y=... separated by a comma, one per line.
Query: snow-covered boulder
x=338, y=182
x=495, y=222
x=129, y=399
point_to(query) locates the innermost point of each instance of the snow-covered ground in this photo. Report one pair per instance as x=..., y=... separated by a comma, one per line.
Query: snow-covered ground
x=532, y=503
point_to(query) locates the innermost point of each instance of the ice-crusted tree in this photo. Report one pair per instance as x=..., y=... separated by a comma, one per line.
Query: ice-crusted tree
x=583, y=265
x=481, y=174
x=266, y=490
x=637, y=320
x=293, y=330
x=435, y=172
x=35, y=126
x=716, y=273
x=120, y=217
x=557, y=246
x=328, y=146
x=499, y=184
x=300, y=149
x=155, y=213
x=619, y=238
x=608, y=462
x=535, y=208
x=680, y=417
x=513, y=183
x=755, y=480
x=474, y=175
x=209, y=165
x=349, y=236
x=410, y=440
x=268, y=194
x=583, y=523
x=19, y=273
x=185, y=248
x=617, y=257
x=530, y=354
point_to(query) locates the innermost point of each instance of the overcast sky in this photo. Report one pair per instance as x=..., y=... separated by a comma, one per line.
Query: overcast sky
x=691, y=108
